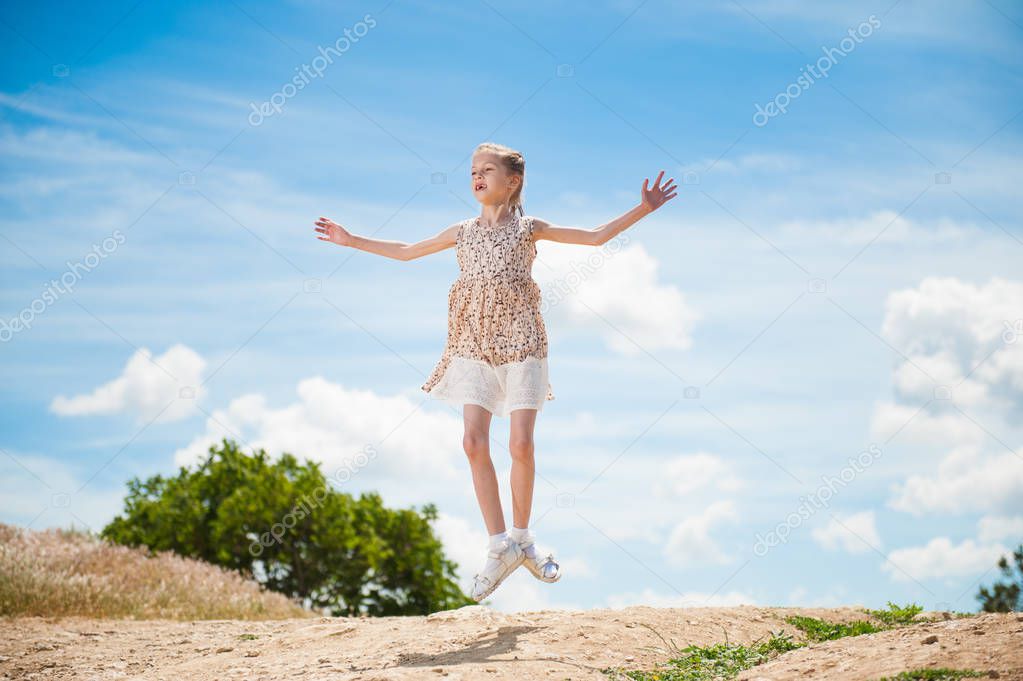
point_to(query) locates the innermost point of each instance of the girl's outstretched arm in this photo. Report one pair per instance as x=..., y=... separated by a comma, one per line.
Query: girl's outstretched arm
x=652, y=199
x=328, y=230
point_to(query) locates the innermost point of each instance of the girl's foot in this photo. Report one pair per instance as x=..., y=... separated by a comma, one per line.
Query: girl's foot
x=545, y=569
x=501, y=562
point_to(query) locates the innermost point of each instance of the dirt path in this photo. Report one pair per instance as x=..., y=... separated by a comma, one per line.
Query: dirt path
x=478, y=643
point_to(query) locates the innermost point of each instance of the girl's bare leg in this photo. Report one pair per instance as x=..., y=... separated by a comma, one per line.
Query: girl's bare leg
x=476, y=443
x=523, y=469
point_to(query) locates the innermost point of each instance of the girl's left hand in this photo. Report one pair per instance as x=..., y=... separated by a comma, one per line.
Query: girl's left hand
x=659, y=195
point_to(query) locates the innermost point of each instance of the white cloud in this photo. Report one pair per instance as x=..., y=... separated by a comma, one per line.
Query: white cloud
x=855, y=533
x=689, y=495
x=939, y=376
x=578, y=567
x=615, y=290
x=62, y=144
x=638, y=526
x=148, y=386
x=464, y=543
x=333, y=425
x=694, y=473
x=961, y=337
x=690, y=541
x=946, y=313
x=913, y=424
x=994, y=527
x=957, y=331
x=965, y=481
x=883, y=226
x=941, y=558
x=686, y=599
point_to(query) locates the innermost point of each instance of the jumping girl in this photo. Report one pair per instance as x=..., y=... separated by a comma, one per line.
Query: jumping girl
x=495, y=358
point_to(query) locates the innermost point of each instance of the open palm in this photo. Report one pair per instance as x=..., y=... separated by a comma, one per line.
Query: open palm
x=654, y=198
x=328, y=230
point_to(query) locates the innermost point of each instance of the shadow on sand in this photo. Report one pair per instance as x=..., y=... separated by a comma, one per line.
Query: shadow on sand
x=492, y=647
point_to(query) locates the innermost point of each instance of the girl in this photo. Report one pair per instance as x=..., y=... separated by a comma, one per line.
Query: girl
x=495, y=358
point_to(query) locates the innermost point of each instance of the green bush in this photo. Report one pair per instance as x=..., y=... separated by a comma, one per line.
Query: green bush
x=282, y=523
x=1005, y=596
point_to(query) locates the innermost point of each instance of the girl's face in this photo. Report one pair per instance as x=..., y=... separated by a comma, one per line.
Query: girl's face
x=492, y=184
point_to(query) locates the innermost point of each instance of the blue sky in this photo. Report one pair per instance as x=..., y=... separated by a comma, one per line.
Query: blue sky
x=841, y=279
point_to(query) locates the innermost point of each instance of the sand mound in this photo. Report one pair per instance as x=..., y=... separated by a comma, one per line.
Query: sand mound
x=477, y=643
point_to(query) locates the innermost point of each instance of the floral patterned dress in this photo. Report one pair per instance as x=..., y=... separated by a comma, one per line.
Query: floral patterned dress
x=496, y=350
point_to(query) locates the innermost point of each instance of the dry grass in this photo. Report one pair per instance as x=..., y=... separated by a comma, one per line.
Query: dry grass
x=69, y=573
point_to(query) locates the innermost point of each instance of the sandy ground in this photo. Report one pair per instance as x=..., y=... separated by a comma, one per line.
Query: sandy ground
x=478, y=643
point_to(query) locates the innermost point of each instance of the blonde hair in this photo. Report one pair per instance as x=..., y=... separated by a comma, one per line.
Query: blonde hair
x=514, y=162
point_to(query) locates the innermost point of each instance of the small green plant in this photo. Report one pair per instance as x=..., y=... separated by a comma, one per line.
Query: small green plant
x=960, y=615
x=724, y=661
x=896, y=614
x=818, y=630
x=934, y=675
x=718, y=662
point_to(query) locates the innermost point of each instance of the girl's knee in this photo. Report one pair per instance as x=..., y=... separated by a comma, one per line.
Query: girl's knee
x=476, y=446
x=521, y=448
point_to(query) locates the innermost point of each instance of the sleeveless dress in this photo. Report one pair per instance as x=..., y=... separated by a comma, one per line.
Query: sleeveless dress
x=496, y=350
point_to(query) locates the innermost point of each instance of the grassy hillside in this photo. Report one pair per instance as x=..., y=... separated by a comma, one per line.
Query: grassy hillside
x=63, y=572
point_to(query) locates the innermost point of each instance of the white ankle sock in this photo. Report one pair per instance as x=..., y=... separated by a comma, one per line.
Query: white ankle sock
x=520, y=534
x=497, y=539
x=497, y=542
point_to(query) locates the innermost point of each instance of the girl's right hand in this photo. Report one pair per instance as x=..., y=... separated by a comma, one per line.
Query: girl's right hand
x=332, y=232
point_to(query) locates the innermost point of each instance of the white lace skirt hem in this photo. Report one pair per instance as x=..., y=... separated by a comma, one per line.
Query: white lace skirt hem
x=498, y=389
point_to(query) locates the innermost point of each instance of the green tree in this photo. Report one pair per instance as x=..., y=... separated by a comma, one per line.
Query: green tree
x=281, y=523
x=1005, y=597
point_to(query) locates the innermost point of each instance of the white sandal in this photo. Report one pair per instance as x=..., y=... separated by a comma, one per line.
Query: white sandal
x=545, y=569
x=510, y=557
